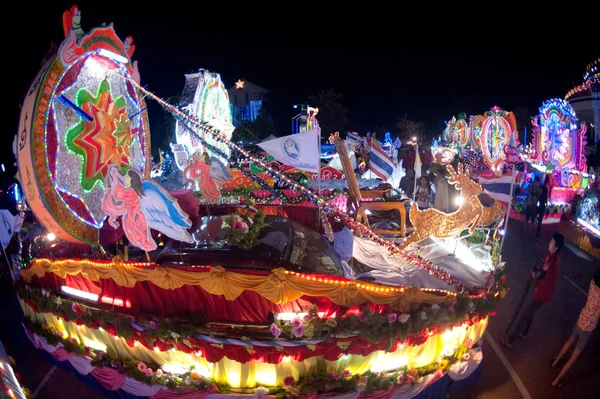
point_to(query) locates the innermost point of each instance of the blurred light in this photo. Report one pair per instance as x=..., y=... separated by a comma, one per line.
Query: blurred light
x=459, y=200
x=295, y=105
x=501, y=231
x=51, y=237
x=414, y=138
x=79, y=293
x=112, y=56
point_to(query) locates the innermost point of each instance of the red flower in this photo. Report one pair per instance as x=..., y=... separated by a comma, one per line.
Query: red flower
x=289, y=380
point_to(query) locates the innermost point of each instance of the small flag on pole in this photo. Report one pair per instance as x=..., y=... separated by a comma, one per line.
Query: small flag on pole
x=380, y=163
x=301, y=150
x=418, y=164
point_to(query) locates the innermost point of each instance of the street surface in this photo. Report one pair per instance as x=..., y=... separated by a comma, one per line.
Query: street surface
x=520, y=372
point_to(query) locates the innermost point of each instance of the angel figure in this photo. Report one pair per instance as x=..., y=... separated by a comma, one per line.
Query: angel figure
x=207, y=175
x=143, y=205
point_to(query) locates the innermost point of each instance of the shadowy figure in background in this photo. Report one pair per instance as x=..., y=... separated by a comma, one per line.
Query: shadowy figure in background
x=541, y=207
x=545, y=282
x=533, y=193
x=586, y=323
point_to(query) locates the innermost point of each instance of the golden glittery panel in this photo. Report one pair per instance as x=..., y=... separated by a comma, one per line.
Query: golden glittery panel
x=433, y=223
x=57, y=209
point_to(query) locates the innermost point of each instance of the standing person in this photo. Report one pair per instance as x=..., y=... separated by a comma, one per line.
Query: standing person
x=545, y=282
x=586, y=323
x=541, y=208
x=423, y=195
x=441, y=201
x=533, y=192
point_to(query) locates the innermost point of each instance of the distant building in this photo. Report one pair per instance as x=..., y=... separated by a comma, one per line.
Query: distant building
x=246, y=100
x=585, y=99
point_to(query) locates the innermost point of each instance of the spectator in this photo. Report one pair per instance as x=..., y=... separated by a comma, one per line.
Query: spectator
x=545, y=282
x=586, y=323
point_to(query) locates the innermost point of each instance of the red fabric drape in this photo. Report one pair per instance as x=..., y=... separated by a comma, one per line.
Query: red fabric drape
x=146, y=297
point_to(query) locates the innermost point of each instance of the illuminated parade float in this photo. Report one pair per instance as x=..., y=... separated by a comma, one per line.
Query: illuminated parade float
x=244, y=280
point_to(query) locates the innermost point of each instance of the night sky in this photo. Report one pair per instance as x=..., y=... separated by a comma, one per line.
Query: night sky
x=413, y=63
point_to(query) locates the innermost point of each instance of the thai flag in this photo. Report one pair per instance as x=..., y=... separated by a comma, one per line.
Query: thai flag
x=379, y=162
x=353, y=136
x=498, y=187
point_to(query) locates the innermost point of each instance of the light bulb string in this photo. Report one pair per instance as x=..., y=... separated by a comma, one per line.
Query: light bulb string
x=323, y=204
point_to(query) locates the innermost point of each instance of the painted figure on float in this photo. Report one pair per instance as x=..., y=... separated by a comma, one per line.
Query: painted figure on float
x=207, y=175
x=143, y=205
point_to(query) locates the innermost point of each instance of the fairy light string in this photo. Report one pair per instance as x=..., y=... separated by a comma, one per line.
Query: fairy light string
x=325, y=206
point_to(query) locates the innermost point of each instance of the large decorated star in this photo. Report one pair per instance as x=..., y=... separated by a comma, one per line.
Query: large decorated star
x=103, y=141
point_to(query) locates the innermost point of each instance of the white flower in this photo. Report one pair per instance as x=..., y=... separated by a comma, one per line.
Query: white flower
x=435, y=308
x=175, y=335
x=423, y=315
x=159, y=373
x=188, y=381
x=261, y=392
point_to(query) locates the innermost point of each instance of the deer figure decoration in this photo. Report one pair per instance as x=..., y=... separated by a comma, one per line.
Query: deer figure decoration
x=431, y=222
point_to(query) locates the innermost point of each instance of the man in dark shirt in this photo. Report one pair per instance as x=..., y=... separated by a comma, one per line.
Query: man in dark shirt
x=541, y=209
x=545, y=281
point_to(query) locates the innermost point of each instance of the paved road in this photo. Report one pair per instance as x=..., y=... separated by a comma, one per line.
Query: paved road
x=520, y=372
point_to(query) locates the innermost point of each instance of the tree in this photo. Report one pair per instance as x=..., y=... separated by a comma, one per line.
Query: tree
x=523, y=117
x=409, y=128
x=332, y=114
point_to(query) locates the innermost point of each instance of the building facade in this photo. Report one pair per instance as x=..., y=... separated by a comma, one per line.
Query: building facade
x=246, y=101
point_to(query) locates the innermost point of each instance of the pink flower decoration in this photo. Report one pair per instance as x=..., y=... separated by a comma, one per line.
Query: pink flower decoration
x=153, y=325
x=347, y=374
x=299, y=332
x=240, y=225
x=297, y=323
x=403, y=318
x=392, y=317
x=469, y=343
x=307, y=318
x=213, y=388
x=363, y=380
x=289, y=380
x=275, y=330
x=142, y=366
x=451, y=309
x=362, y=317
x=148, y=372
x=439, y=373
x=335, y=375
x=400, y=379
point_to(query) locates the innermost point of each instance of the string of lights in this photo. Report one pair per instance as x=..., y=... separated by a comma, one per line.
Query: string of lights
x=327, y=208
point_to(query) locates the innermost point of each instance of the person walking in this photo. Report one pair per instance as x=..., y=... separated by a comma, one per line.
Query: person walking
x=545, y=281
x=586, y=323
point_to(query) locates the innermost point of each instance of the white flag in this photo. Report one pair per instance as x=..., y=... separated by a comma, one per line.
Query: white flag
x=301, y=150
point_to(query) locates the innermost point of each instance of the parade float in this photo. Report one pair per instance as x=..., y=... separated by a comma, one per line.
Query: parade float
x=144, y=292
x=557, y=155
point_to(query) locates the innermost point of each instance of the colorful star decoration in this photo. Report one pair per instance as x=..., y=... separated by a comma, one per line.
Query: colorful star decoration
x=106, y=139
x=239, y=84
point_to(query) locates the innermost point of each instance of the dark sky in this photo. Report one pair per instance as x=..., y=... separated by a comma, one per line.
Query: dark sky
x=384, y=62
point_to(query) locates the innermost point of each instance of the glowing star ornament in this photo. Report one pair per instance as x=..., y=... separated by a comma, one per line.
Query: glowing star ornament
x=239, y=84
x=103, y=141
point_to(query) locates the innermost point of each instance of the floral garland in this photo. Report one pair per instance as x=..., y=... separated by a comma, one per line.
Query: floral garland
x=366, y=329
x=246, y=225
x=370, y=382
x=166, y=330
x=309, y=385
x=377, y=326
x=150, y=374
x=278, y=195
